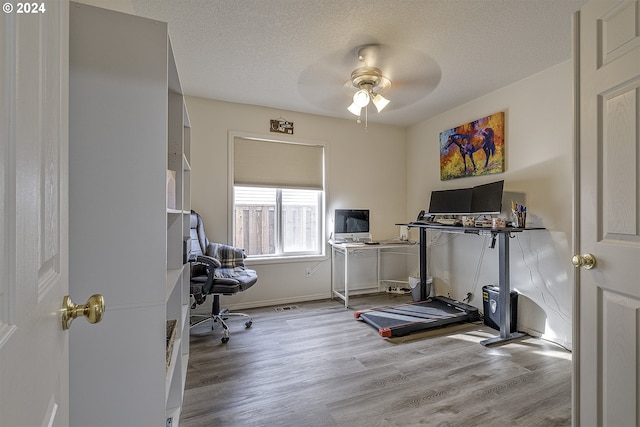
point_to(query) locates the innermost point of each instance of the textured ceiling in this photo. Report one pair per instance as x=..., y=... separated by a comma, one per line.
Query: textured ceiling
x=297, y=54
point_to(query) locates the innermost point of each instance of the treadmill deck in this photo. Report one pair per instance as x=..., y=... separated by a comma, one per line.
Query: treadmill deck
x=403, y=319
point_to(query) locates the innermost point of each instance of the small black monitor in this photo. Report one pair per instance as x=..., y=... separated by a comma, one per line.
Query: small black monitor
x=349, y=221
x=450, y=202
x=487, y=198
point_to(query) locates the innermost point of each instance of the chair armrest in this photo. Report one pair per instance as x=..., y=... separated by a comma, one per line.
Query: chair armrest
x=209, y=265
x=208, y=261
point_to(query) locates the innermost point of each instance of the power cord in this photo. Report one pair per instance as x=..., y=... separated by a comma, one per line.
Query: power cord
x=476, y=276
x=467, y=298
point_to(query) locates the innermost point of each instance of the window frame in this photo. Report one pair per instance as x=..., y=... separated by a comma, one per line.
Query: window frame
x=322, y=194
x=280, y=227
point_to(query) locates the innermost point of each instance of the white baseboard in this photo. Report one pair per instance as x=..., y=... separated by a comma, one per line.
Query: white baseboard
x=553, y=339
x=278, y=301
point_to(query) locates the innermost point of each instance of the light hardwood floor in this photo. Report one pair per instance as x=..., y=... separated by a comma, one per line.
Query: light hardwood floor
x=317, y=366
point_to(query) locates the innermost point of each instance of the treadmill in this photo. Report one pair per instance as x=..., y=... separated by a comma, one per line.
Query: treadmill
x=403, y=319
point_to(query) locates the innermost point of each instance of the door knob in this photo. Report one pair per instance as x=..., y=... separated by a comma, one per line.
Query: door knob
x=92, y=310
x=587, y=261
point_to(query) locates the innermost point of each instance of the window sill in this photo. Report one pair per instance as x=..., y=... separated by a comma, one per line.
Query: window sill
x=284, y=259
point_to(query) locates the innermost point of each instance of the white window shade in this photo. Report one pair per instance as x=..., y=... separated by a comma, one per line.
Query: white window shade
x=278, y=164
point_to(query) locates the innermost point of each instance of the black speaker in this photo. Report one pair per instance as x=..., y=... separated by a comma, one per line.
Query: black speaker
x=491, y=303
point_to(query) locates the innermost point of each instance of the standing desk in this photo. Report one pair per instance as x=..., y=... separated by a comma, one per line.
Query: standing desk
x=348, y=249
x=502, y=235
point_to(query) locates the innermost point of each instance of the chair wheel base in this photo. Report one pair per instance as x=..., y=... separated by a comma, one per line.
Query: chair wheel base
x=219, y=318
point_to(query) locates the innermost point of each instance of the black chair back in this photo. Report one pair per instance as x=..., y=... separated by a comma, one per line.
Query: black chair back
x=199, y=241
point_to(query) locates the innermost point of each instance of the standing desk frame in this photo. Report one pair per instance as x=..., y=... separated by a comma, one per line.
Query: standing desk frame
x=504, y=281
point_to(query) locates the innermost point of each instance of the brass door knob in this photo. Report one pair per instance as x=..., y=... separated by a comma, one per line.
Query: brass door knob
x=587, y=261
x=92, y=310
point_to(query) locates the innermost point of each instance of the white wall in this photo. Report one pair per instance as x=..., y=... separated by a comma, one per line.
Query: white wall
x=538, y=139
x=365, y=168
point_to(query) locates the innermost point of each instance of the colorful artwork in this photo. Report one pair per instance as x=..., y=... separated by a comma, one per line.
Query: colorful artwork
x=475, y=148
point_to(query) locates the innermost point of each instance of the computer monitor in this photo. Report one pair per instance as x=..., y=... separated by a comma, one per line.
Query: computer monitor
x=450, y=202
x=351, y=223
x=487, y=198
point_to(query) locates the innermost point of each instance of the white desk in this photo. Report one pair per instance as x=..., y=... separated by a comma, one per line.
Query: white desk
x=347, y=250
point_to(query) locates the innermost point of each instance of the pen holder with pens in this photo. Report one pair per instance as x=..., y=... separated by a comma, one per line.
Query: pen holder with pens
x=519, y=213
x=519, y=219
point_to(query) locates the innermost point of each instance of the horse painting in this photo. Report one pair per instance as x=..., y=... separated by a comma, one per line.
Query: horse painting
x=483, y=136
x=468, y=144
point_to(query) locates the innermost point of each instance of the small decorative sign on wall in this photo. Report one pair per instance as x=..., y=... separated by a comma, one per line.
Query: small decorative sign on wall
x=281, y=125
x=474, y=148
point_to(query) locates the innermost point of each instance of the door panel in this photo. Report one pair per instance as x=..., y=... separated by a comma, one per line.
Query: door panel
x=34, y=129
x=620, y=316
x=608, y=296
x=619, y=199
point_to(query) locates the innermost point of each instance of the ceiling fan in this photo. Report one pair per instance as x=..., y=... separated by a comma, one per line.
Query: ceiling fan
x=368, y=82
x=398, y=74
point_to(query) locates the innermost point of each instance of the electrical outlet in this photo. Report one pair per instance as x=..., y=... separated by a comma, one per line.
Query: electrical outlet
x=310, y=271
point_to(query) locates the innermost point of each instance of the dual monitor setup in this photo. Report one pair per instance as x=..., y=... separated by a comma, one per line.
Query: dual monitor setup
x=486, y=199
x=446, y=206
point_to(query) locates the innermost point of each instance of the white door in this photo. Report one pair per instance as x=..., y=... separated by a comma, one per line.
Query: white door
x=608, y=296
x=33, y=214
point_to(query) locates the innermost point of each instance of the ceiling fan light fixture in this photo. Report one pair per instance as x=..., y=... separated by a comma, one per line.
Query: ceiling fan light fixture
x=368, y=83
x=361, y=98
x=355, y=109
x=380, y=102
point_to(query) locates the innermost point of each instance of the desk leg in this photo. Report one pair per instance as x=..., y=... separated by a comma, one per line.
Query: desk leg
x=378, y=268
x=346, y=278
x=333, y=271
x=334, y=291
x=423, y=263
x=505, y=295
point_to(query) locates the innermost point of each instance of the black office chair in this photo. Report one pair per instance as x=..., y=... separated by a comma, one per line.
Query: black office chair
x=216, y=269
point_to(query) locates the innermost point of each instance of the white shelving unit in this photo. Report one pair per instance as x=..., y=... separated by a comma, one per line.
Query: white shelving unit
x=178, y=273
x=128, y=125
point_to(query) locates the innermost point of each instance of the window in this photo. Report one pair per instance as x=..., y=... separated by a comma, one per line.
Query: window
x=277, y=221
x=278, y=197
